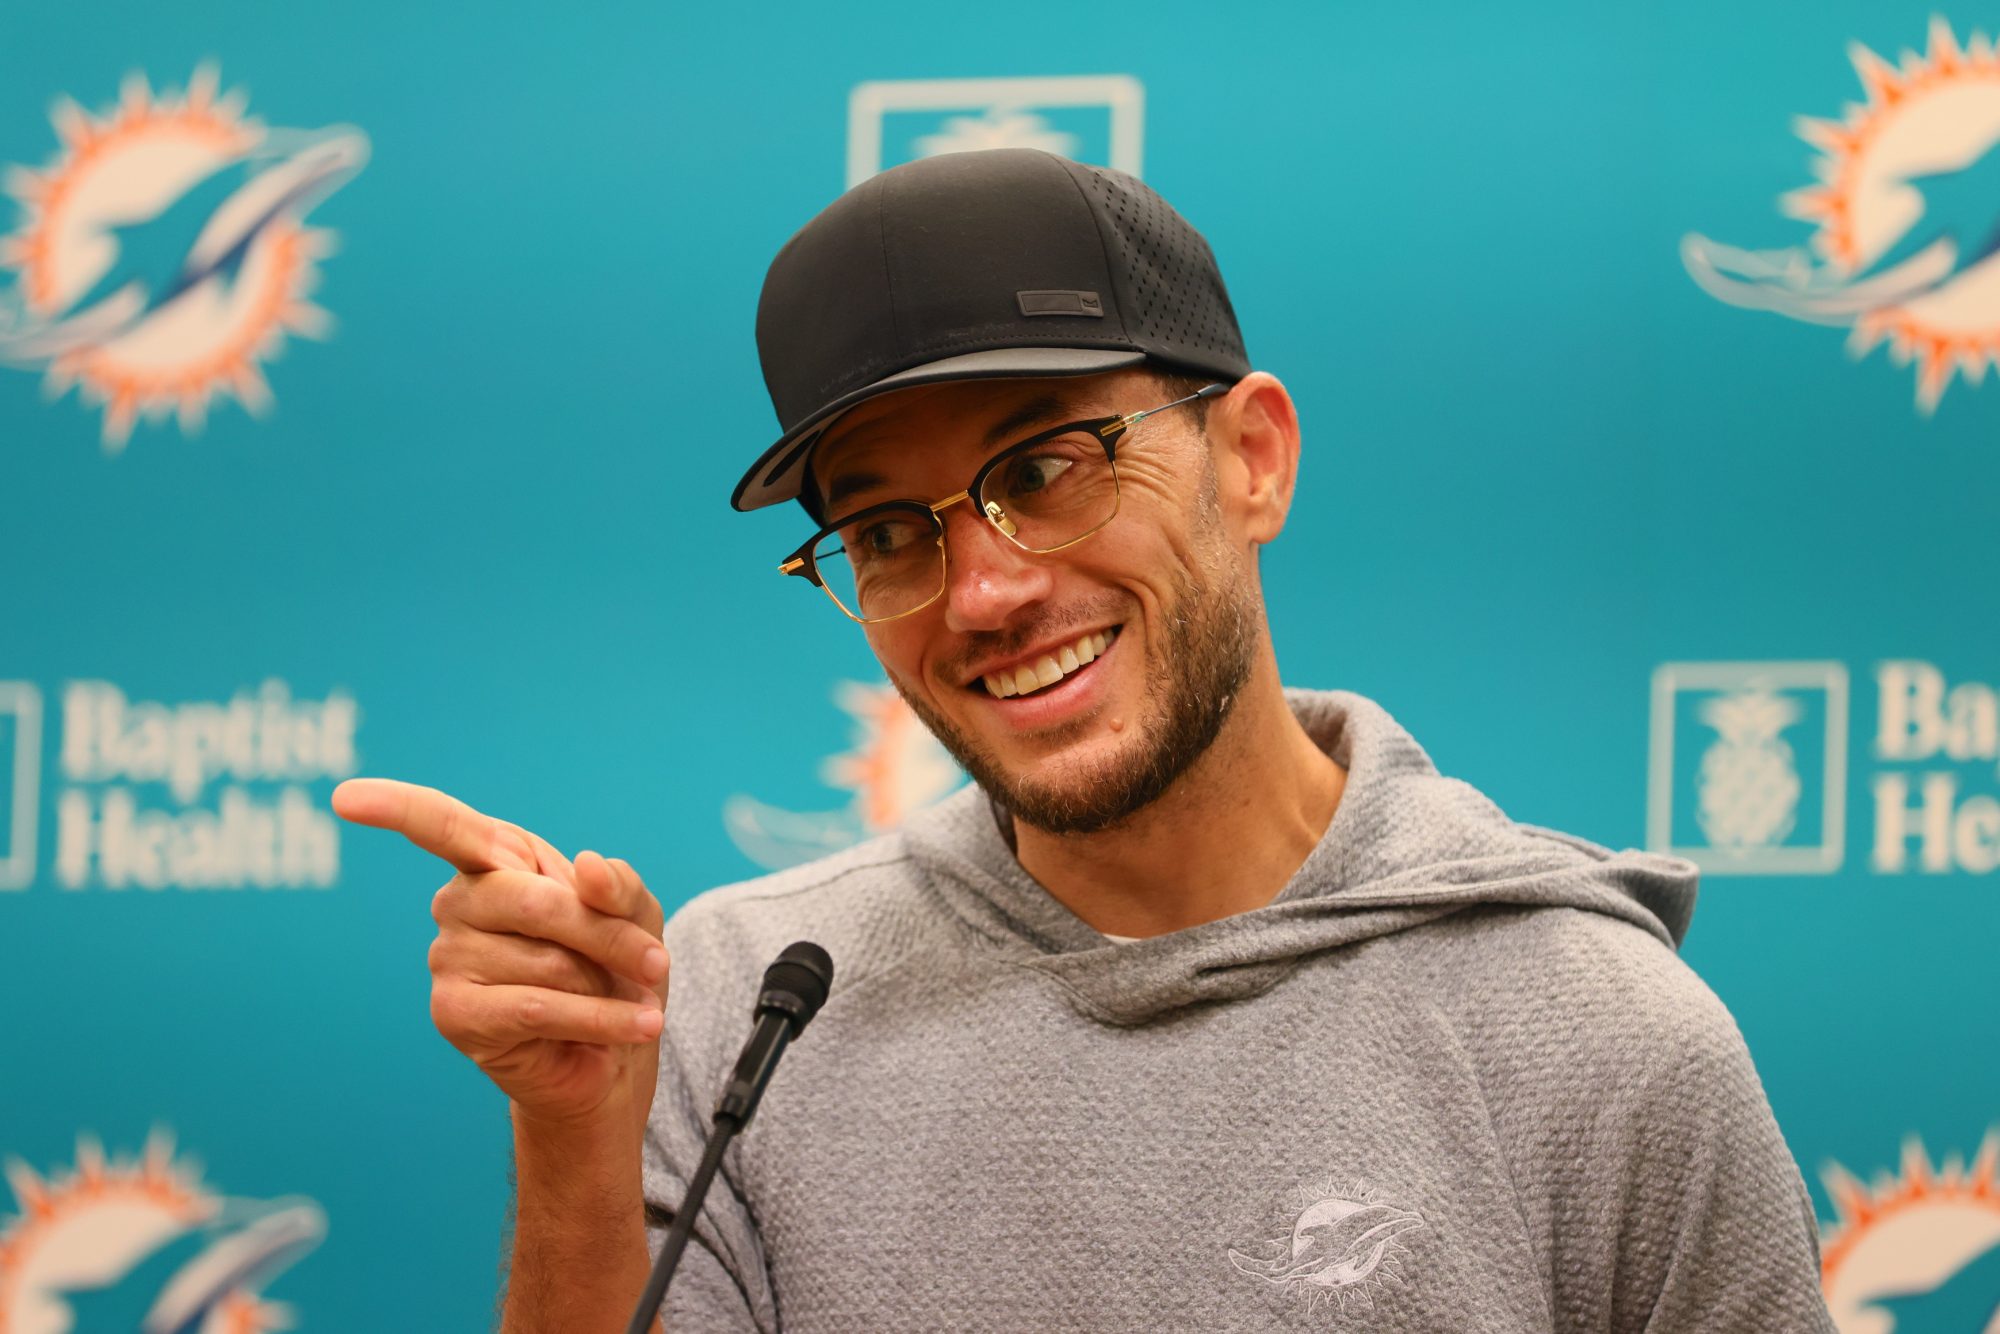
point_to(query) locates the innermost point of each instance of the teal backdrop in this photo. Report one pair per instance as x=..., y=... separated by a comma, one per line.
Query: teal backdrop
x=373, y=378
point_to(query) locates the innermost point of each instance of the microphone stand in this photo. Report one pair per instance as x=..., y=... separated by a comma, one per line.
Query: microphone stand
x=794, y=989
x=677, y=1239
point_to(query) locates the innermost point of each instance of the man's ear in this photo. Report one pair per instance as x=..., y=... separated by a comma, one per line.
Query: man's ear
x=1254, y=431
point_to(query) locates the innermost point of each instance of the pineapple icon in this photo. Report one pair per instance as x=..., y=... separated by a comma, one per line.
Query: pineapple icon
x=1748, y=784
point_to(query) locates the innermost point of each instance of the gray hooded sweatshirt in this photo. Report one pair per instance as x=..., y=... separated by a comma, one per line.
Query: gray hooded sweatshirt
x=1452, y=1078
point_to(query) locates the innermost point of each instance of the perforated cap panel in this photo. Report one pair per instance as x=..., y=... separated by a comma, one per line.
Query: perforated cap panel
x=1174, y=300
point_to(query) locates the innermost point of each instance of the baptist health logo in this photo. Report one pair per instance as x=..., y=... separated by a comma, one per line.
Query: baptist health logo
x=1094, y=118
x=1749, y=768
x=1906, y=212
x=162, y=255
x=191, y=794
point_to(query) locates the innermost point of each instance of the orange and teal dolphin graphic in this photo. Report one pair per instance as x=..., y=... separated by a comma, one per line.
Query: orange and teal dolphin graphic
x=1967, y=1299
x=1905, y=208
x=198, y=1274
x=163, y=255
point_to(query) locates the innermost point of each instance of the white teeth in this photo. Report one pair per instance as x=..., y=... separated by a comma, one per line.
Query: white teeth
x=1049, y=668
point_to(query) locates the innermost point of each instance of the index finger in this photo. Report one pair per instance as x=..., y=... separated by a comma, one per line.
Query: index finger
x=440, y=824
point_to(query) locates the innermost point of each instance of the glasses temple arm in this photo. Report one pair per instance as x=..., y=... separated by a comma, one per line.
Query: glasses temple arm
x=1207, y=391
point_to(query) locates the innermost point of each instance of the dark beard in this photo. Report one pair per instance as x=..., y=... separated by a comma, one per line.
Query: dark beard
x=1209, y=643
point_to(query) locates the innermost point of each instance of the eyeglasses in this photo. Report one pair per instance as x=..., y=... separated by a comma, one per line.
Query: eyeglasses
x=1048, y=492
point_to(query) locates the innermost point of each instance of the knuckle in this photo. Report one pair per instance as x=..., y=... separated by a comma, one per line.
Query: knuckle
x=447, y=1010
x=553, y=966
x=561, y=974
x=539, y=910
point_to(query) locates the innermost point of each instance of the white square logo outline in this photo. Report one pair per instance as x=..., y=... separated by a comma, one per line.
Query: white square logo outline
x=24, y=701
x=869, y=102
x=1669, y=679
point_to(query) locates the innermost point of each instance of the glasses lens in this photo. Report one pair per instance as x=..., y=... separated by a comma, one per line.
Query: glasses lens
x=883, y=564
x=1053, y=492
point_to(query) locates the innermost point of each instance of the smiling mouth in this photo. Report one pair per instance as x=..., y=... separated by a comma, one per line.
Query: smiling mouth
x=1051, y=668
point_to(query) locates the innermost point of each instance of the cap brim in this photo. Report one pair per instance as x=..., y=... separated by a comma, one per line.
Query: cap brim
x=780, y=470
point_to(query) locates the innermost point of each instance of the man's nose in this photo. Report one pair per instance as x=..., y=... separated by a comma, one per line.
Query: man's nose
x=987, y=577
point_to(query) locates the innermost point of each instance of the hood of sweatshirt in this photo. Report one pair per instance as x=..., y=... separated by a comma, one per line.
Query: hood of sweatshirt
x=1405, y=847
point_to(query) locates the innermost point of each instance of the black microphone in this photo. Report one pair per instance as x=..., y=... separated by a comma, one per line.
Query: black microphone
x=794, y=989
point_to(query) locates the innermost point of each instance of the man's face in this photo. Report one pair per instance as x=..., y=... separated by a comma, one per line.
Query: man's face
x=1173, y=596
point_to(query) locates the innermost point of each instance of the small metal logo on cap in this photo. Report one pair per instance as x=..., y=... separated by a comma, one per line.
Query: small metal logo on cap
x=1060, y=303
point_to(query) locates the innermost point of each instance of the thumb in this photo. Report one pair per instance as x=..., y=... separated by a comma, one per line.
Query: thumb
x=612, y=887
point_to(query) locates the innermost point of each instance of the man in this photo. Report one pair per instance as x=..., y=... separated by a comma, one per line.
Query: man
x=1212, y=1006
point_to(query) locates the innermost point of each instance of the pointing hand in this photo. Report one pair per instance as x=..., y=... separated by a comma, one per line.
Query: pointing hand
x=549, y=974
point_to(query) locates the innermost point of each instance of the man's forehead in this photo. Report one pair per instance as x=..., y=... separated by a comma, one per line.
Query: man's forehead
x=873, y=438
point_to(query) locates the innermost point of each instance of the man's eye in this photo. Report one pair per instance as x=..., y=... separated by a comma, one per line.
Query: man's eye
x=1035, y=473
x=883, y=537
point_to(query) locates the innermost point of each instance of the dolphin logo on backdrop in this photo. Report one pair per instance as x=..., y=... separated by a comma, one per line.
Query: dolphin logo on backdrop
x=894, y=768
x=140, y=1245
x=1906, y=211
x=1919, y=1251
x=162, y=254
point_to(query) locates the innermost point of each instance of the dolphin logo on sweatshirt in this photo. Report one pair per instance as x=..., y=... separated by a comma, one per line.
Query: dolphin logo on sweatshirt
x=1339, y=1246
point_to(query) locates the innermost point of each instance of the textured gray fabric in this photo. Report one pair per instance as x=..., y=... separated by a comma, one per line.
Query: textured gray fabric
x=1453, y=1078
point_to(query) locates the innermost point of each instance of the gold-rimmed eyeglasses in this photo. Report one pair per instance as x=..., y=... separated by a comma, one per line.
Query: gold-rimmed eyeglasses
x=1048, y=492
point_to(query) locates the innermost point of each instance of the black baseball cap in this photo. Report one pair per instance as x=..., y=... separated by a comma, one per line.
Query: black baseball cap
x=1006, y=262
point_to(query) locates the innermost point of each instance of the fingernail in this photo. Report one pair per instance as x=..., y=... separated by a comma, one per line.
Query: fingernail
x=654, y=964
x=650, y=1022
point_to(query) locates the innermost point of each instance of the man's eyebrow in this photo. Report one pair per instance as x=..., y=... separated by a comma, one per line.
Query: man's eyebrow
x=1049, y=408
x=846, y=485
